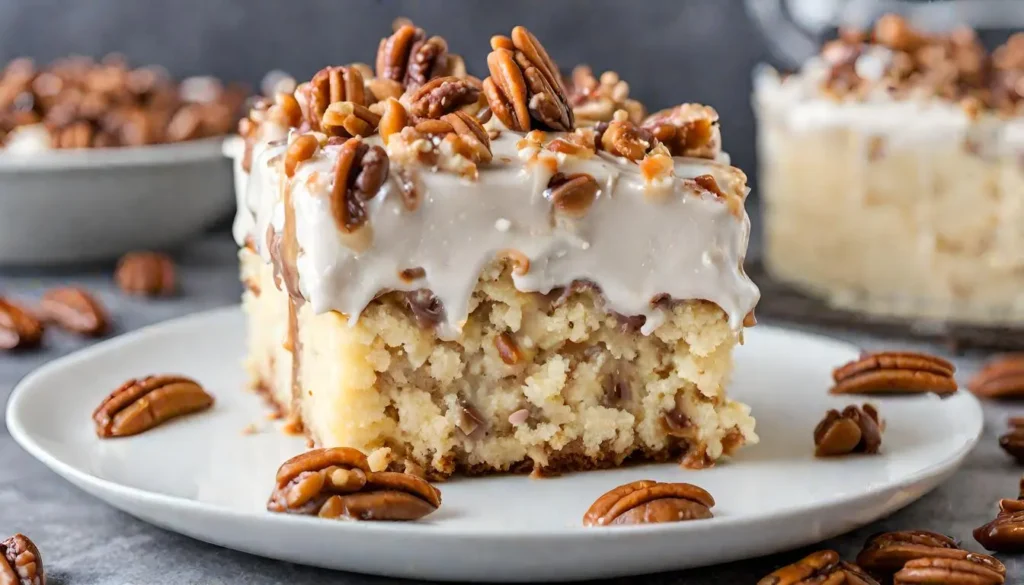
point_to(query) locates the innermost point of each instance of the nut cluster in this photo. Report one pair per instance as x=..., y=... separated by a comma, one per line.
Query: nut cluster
x=20, y=562
x=822, y=567
x=687, y=130
x=337, y=483
x=895, y=372
x=142, y=404
x=854, y=430
x=408, y=57
x=647, y=502
x=525, y=88
x=596, y=99
x=1000, y=378
x=1005, y=533
x=83, y=103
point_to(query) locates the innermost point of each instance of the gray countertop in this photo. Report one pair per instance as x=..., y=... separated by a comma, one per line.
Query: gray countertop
x=84, y=541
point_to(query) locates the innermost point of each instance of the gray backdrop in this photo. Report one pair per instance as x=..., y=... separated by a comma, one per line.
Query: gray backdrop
x=669, y=50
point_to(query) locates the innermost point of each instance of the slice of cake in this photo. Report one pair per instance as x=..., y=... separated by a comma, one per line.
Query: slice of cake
x=892, y=174
x=455, y=277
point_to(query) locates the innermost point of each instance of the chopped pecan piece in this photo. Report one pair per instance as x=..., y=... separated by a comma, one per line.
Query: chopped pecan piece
x=146, y=273
x=855, y=430
x=338, y=483
x=442, y=95
x=525, y=89
x=895, y=372
x=595, y=100
x=508, y=349
x=141, y=404
x=347, y=119
x=301, y=149
x=393, y=120
x=820, y=568
x=19, y=329
x=885, y=554
x=475, y=144
x=1000, y=378
x=967, y=571
x=359, y=173
x=20, y=562
x=687, y=130
x=330, y=85
x=76, y=310
x=646, y=501
x=623, y=138
x=1013, y=441
x=572, y=195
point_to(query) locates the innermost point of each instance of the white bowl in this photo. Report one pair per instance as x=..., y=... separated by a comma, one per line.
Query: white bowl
x=79, y=205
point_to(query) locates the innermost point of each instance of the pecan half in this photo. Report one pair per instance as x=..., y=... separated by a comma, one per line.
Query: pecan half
x=855, y=430
x=330, y=85
x=359, y=173
x=76, y=310
x=967, y=571
x=884, y=554
x=410, y=58
x=146, y=273
x=820, y=568
x=338, y=483
x=300, y=150
x=141, y=404
x=572, y=195
x=894, y=372
x=525, y=89
x=20, y=562
x=347, y=119
x=476, y=145
x=1006, y=532
x=1013, y=441
x=19, y=329
x=1002, y=377
x=687, y=130
x=442, y=95
x=646, y=502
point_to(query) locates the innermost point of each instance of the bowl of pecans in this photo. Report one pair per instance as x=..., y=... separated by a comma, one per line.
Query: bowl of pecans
x=98, y=158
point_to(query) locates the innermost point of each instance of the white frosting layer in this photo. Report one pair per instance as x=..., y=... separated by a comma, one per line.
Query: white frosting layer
x=685, y=243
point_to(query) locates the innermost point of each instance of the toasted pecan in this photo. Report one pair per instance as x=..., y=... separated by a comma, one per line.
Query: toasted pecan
x=572, y=195
x=854, y=430
x=20, y=562
x=1002, y=377
x=141, y=404
x=359, y=173
x=330, y=85
x=19, y=329
x=525, y=89
x=76, y=310
x=895, y=372
x=646, y=501
x=347, y=119
x=442, y=95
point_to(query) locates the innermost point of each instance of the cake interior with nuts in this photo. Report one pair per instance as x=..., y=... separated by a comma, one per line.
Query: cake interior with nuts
x=456, y=275
x=898, y=153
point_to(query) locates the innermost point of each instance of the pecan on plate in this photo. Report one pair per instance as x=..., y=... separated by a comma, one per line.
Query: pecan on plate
x=820, y=568
x=623, y=137
x=895, y=372
x=348, y=119
x=855, y=430
x=359, y=173
x=1002, y=377
x=884, y=554
x=572, y=195
x=525, y=88
x=411, y=59
x=442, y=95
x=595, y=100
x=970, y=570
x=330, y=85
x=141, y=404
x=148, y=274
x=687, y=130
x=1013, y=441
x=338, y=483
x=19, y=329
x=647, y=502
x=20, y=562
x=76, y=310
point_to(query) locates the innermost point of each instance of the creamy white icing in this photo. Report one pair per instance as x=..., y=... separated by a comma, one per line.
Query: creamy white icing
x=635, y=247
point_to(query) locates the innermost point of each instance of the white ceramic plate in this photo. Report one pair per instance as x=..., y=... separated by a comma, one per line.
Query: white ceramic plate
x=203, y=477
x=93, y=204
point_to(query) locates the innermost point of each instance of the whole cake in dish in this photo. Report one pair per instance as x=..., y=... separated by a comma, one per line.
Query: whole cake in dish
x=463, y=276
x=892, y=175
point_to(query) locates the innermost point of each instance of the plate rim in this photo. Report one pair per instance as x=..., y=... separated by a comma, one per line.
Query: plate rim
x=82, y=478
x=49, y=161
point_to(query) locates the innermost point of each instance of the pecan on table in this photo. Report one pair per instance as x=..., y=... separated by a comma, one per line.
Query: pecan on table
x=648, y=502
x=687, y=130
x=20, y=562
x=854, y=430
x=359, y=173
x=338, y=483
x=944, y=571
x=410, y=58
x=1013, y=441
x=141, y=404
x=19, y=329
x=442, y=95
x=895, y=372
x=148, y=274
x=525, y=88
x=331, y=85
x=1006, y=532
x=884, y=554
x=572, y=195
x=76, y=310
x=1002, y=377
x=820, y=568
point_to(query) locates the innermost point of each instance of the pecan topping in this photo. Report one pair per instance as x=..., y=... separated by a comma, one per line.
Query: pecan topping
x=895, y=372
x=146, y=273
x=646, y=501
x=442, y=95
x=1006, y=532
x=1000, y=378
x=76, y=310
x=624, y=138
x=474, y=144
x=687, y=130
x=338, y=483
x=820, y=568
x=572, y=195
x=410, y=58
x=393, y=120
x=330, y=85
x=347, y=119
x=508, y=349
x=19, y=329
x=411, y=274
x=141, y=404
x=358, y=175
x=525, y=89
x=885, y=554
x=1013, y=441
x=301, y=149
x=20, y=562
x=595, y=100
x=928, y=571
x=856, y=430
